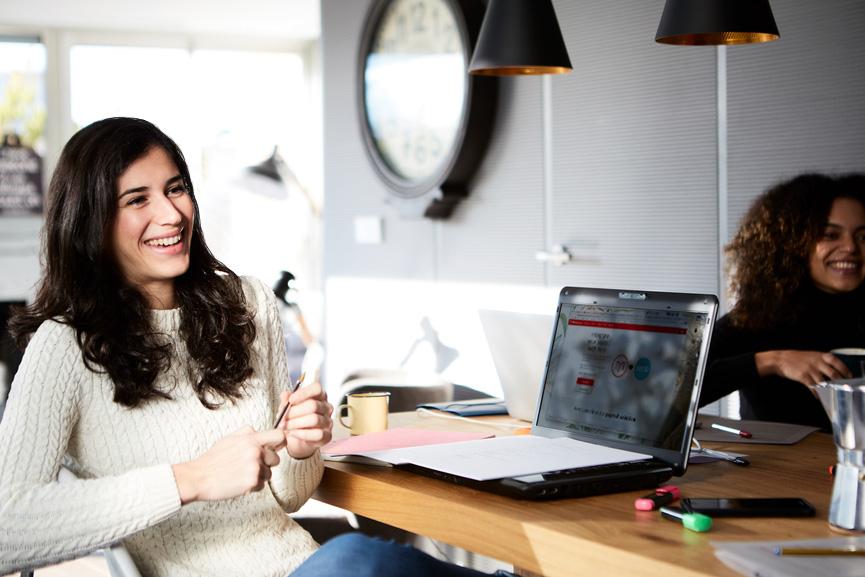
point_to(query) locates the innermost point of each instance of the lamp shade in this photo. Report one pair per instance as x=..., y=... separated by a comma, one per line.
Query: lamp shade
x=264, y=178
x=716, y=22
x=520, y=37
x=268, y=168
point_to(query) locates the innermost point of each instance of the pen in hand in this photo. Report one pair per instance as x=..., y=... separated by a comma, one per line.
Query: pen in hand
x=291, y=389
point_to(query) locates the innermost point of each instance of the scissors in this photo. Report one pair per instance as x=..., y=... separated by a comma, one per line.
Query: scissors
x=291, y=389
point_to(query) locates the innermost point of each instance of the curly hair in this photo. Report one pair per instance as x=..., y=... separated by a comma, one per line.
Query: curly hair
x=769, y=255
x=82, y=286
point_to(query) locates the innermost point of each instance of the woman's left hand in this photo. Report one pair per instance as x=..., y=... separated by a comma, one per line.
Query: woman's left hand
x=307, y=423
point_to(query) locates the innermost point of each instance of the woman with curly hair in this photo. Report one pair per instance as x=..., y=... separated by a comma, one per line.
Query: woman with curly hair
x=797, y=277
x=156, y=374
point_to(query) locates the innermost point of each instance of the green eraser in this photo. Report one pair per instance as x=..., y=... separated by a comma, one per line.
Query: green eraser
x=697, y=522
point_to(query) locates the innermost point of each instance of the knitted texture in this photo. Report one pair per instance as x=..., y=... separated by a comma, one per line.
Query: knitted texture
x=59, y=411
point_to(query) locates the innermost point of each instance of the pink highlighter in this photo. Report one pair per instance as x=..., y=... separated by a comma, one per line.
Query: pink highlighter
x=662, y=496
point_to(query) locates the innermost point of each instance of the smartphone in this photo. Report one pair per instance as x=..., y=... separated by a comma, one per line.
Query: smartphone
x=750, y=507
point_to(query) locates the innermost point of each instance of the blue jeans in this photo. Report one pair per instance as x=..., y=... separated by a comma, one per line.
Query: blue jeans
x=357, y=555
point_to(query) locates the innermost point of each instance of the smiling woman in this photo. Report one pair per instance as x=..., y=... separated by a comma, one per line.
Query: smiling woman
x=164, y=407
x=836, y=261
x=107, y=266
x=153, y=229
x=157, y=409
x=797, y=272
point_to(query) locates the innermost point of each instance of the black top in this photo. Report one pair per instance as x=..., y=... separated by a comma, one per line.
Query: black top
x=831, y=322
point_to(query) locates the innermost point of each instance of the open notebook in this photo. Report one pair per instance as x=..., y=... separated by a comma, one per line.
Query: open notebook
x=617, y=406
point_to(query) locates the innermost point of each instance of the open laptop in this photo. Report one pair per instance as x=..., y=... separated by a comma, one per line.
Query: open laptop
x=621, y=383
x=518, y=344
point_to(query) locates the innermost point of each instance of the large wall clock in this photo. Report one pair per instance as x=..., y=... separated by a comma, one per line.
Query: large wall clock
x=425, y=121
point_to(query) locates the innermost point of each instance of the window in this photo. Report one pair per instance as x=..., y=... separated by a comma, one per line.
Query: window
x=227, y=110
x=22, y=90
x=22, y=125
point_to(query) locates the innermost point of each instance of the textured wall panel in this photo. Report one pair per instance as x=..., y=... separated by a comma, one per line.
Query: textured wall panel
x=495, y=232
x=351, y=185
x=797, y=104
x=634, y=152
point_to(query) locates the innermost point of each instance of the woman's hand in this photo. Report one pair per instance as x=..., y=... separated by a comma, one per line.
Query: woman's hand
x=807, y=367
x=307, y=424
x=236, y=465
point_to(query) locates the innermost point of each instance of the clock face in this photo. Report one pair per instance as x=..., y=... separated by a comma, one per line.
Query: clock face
x=416, y=90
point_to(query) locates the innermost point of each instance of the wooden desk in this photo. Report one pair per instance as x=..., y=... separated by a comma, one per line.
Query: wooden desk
x=592, y=536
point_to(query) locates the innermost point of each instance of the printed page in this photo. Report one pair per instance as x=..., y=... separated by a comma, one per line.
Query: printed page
x=511, y=456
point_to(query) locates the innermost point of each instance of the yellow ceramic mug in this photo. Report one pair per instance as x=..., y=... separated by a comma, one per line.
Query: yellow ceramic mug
x=367, y=412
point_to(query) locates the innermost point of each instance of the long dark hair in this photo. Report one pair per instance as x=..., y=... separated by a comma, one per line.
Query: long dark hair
x=81, y=285
x=769, y=255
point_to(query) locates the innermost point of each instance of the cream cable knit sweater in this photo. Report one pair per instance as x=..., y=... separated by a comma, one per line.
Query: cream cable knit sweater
x=59, y=410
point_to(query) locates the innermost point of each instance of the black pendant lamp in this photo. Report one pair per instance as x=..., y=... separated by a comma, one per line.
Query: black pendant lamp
x=716, y=22
x=520, y=37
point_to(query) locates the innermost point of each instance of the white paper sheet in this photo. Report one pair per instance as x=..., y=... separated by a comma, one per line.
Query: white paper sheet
x=760, y=559
x=507, y=456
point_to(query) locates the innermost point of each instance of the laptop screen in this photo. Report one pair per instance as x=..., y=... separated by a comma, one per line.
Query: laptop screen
x=624, y=369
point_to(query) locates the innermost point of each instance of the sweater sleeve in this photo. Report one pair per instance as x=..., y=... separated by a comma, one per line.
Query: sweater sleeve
x=731, y=365
x=43, y=522
x=294, y=480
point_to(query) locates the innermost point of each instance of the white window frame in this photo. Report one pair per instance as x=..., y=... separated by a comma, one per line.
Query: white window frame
x=58, y=44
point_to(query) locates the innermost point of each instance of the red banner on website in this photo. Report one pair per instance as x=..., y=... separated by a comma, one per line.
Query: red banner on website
x=629, y=327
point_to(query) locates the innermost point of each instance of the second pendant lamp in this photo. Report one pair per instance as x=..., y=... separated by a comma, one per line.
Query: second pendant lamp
x=716, y=22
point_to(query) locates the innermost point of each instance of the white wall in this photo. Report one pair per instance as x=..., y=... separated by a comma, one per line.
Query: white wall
x=19, y=257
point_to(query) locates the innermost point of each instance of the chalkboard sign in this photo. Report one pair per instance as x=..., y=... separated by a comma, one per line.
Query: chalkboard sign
x=20, y=179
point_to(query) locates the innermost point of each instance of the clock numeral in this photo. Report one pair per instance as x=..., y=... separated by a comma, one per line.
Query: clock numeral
x=435, y=146
x=406, y=147
x=449, y=34
x=417, y=25
x=418, y=15
x=402, y=34
x=421, y=149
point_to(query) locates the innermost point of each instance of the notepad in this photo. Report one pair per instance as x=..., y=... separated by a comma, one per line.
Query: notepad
x=759, y=558
x=762, y=432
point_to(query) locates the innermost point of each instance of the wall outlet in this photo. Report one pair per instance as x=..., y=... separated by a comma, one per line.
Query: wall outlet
x=368, y=230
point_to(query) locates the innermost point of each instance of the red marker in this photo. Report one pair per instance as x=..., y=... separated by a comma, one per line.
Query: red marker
x=744, y=434
x=662, y=496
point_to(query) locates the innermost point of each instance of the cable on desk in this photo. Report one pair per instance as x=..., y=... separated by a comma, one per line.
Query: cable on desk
x=442, y=415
